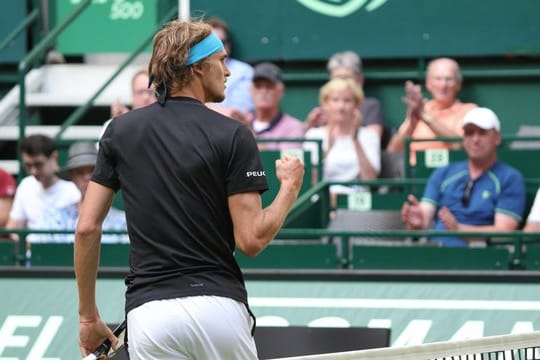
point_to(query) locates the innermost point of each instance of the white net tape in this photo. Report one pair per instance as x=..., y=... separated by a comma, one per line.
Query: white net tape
x=514, y=347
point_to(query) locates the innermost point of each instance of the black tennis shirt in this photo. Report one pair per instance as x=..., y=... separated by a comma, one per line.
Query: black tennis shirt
x=176, y=165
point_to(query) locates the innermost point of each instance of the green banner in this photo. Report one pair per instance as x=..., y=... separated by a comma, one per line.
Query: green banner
x=314, y=29
x=38, y=317
x=106, y=25
x=416, y=312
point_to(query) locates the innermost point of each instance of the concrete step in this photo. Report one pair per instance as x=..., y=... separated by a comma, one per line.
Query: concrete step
x=75, y=132
x=71, y=85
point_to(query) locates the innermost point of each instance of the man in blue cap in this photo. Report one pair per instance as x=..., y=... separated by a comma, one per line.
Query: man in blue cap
x=191, y=180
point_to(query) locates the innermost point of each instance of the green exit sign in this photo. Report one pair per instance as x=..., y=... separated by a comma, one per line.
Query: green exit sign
x=106, y=25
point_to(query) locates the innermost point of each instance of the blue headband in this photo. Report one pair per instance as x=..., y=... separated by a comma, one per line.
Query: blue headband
x=204, y=48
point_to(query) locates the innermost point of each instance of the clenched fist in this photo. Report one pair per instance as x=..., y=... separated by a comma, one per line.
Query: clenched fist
x=290, y=171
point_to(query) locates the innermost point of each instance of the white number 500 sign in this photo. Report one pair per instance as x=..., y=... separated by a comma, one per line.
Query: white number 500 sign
x=124, y=10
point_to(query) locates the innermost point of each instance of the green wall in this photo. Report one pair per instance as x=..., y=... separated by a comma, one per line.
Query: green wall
x=314, y=29
x=496, y=42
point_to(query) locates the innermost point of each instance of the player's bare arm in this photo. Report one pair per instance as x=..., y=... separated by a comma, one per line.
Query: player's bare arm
x=87, y=241
x=255, y=227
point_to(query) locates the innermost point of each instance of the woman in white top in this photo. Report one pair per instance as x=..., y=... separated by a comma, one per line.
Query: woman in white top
x=351, y=152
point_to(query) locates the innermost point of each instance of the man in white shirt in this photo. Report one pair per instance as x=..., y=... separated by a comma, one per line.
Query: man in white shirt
x=42, y=189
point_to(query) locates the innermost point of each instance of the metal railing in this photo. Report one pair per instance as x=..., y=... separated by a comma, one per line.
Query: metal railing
x=515, y=241
x=23, y=25
x=506, y=139
x=30, y=59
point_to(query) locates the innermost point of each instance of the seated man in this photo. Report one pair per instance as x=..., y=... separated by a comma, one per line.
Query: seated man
x=82, y=158
x=43, y=189
x=141, y=96
x=269, y=120
x=441, y=116
x=479, y=194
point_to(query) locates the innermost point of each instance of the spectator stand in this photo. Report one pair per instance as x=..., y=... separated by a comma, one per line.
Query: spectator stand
x=307, y=239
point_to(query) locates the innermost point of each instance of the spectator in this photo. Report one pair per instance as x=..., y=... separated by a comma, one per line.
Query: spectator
x=442, y=116
x=43, y=189
x=7, y=191
x=82, y=158
x=270, y=121
x=348, y=65
x=237, y=103
x=351, y=152
x=533, y=220
x=141, y=94
x=479, y=194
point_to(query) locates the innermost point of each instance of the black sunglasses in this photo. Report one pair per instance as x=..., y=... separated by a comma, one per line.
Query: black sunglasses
x=466, y=198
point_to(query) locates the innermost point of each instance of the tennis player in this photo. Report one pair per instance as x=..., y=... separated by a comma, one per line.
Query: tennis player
x=191, y=180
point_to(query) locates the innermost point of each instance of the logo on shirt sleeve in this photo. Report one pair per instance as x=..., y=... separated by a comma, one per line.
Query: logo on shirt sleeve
x=255, y=173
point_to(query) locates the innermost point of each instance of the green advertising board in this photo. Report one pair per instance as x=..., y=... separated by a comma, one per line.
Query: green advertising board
x=38, y=316
x=108, y=25
x=314, y=29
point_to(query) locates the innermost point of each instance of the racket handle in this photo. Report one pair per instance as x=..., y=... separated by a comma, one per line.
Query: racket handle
x=100, y=351
x=104, y=347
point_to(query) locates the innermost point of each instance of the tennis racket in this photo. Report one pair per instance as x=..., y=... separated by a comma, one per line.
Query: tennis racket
x=103, y=352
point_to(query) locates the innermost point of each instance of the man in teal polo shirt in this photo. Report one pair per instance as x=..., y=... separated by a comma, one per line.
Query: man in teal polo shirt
x=480, y=194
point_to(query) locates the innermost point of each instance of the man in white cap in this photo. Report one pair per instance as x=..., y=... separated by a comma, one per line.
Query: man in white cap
x=480, y=194
x=82, y=158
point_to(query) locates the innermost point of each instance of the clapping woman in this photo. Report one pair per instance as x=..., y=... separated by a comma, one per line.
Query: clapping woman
x=351, y=151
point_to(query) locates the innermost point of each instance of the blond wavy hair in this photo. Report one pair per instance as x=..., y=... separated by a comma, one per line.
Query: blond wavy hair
x=171, y=47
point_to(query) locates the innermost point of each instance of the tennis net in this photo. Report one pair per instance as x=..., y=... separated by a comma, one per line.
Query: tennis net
x=505, y=347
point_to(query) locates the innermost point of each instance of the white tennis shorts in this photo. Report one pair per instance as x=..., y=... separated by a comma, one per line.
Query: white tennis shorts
x=196, y=327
